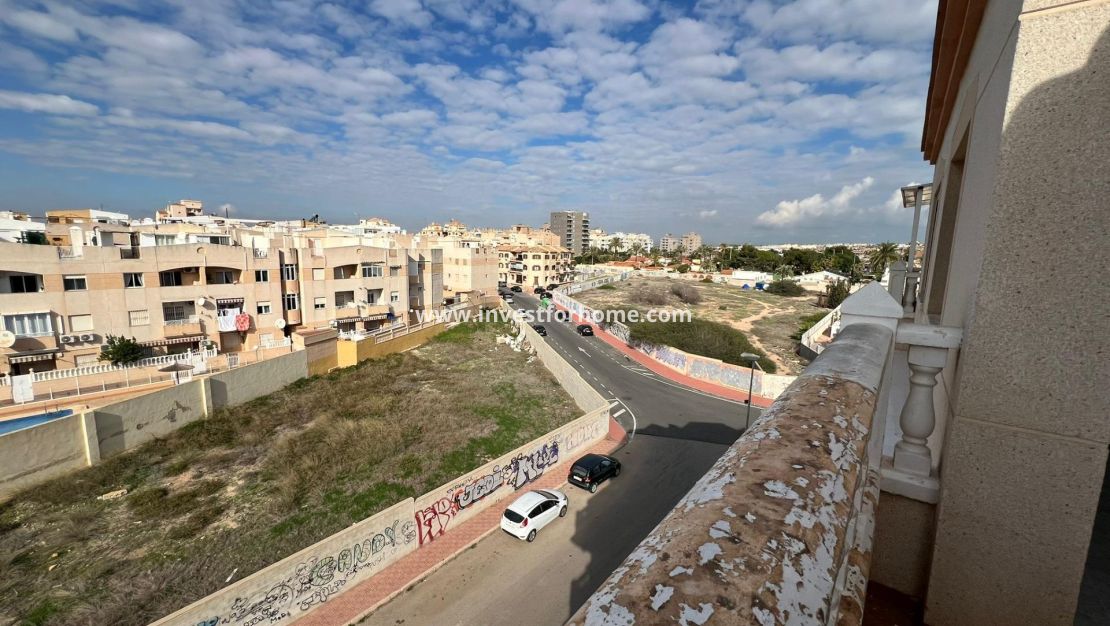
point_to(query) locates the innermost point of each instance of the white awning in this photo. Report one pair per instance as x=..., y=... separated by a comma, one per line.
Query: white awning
x=28, y=357
x=172, y=340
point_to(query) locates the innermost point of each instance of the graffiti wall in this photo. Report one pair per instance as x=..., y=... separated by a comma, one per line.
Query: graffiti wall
x=286, y=590
x=439, y=510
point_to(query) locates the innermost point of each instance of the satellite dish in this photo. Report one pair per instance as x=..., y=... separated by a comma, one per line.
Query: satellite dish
x=7, y=339
x=279, y=324
x=201, y=302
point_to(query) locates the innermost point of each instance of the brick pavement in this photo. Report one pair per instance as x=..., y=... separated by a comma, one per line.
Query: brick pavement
x=360, y=600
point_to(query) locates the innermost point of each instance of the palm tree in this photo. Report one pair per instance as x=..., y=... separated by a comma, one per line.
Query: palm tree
x=637, y=249
x=883, y=255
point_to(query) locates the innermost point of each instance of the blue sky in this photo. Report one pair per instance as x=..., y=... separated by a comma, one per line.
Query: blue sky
x=745, y=120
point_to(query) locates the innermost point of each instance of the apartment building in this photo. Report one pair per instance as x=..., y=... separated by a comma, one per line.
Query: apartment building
x=16, y=226
x=469, y=269
x=533, y=266
x=573, y=229
x=61, y=302
x=690, y=241
x=180, y=209
x=669, y=243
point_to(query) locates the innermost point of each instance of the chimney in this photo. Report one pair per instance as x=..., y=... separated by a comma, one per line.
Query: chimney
x=76, y=240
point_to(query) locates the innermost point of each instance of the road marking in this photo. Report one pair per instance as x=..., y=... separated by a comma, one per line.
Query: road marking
x=631, y=433
x=614, y=404
x=583, y=351
x=620, y=412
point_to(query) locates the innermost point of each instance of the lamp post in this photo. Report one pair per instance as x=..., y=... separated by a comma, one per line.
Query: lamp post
x=753, y=362
x=915, y=196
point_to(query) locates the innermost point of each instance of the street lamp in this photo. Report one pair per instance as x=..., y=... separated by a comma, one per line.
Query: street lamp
x=915, y=196
x=753, y=362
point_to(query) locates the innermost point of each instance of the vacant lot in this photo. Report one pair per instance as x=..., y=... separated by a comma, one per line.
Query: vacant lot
x=224, y=497
x=767, y=320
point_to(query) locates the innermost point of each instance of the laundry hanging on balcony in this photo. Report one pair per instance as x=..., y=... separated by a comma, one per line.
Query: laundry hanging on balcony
x=225, y=319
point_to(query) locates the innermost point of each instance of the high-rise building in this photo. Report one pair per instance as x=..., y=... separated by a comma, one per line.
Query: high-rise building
x=669, y=243
x=573, y=229
x=691, y=241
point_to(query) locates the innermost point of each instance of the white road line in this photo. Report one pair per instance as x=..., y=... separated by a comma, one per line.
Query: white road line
x=620, y=412
x=631, y=433
x=583, y=351
x=614, y=404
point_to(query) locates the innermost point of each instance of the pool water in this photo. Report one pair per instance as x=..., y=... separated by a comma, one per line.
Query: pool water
x=19, y=423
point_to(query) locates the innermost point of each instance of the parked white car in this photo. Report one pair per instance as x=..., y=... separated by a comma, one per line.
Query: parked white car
x=532, y=511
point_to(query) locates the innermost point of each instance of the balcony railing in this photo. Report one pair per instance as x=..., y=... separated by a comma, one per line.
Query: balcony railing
x=192, y=319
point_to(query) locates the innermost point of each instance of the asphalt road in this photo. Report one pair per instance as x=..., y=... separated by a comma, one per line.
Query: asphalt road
x=677, y=434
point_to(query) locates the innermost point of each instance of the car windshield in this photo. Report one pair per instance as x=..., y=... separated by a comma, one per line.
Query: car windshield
x=513, y=516
x=580, y=471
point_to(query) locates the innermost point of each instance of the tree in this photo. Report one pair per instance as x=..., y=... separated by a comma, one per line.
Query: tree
x=836, y=292
x=615, y=244
x=785, y=288
x=682, y=268
x=637, y=249
x=121, y=350
x=882, y=256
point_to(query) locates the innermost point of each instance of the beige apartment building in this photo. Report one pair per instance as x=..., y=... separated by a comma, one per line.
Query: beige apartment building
x=61, y=302
x=533, y=266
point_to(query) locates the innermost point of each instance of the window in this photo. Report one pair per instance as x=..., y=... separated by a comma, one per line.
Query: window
x=170, y=279
x=74, y=283
x=80, y=323
x=131, y=280
x=318, y=273
x=82, y=360
x=289, y=302
x=373, y=296
x=343, y=298
x=139, y=318
x=263, y=308
x=174, y=312
x=371, y=271
x=289, y=272
x=394, y=296
x=165, y=240
x=29, y=324
x=261, y=276
x=394, y=270
x=319, y=303
x=24, y=284
x=222, y=277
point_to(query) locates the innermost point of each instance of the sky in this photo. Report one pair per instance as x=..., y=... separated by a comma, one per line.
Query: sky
x=744, y=120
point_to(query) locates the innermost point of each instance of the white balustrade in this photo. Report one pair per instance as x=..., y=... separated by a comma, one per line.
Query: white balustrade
x=928, y=353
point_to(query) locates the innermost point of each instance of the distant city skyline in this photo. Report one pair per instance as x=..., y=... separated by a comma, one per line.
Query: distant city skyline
x=744, y=121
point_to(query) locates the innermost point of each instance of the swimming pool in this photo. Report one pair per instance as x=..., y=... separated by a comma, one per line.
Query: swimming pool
x=19, y=423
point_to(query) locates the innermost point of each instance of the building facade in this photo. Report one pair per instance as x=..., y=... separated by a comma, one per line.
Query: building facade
x=669, y=243
x=534, y=266
x=573, y=229
x=691, y=241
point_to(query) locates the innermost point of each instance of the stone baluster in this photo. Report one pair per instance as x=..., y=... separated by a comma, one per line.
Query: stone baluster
x=896, y=281
x=927, y=356
x=909, y=296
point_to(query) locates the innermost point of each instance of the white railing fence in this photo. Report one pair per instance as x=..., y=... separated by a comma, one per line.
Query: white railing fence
x=101, y=368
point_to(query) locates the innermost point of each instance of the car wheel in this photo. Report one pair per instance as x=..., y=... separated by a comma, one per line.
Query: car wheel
x=617, y=472
x=563, y=511
x=531, y=536
x=593, y=488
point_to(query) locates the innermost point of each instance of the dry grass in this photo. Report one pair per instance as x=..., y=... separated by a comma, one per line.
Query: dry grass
x=762, y=317
x=250, y=485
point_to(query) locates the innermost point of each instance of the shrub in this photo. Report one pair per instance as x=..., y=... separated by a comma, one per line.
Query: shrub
x=607, y=287
x=687, y=293
x=706, y=280
x=702, y=337
x=649, y=296
x=837, y=292
x=682, y=269
x=121, y=350
x=723, y=307
x=785, y=288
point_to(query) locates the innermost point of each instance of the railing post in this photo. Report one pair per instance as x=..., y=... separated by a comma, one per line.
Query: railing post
x=927, y=356
x=909, y=296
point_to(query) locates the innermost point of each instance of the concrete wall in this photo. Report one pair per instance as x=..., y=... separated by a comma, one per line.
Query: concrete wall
x=32, y=455
x=354, y=352
x=452, y=504
x=903, y=544
x=295, y=585
x=125, y=425
x=244, y=384
x=1020, y=483
x=585, y=396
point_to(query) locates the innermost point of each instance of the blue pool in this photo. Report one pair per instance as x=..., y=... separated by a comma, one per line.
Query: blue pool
x=19, y=423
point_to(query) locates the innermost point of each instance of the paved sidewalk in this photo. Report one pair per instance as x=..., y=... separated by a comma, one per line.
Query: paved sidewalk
x=360, y=600
x=655, y=366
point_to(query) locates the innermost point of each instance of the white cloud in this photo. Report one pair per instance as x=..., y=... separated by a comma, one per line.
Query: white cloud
x=406, y=12
x=42, y=25
x=707, y=214
x=53, y=104
x=815, y=207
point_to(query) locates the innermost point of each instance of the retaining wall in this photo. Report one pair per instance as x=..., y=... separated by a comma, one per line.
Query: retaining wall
x=39, y=453
x=124, y=425
x=354, y=352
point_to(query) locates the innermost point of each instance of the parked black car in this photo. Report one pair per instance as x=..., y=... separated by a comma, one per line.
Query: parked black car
x=552, y=287
x=585, y=330
x=540, y=330
x=593, y=469
x=516, y=288
x=537, y=290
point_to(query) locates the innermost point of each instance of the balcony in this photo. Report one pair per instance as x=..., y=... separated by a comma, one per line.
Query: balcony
x=182, y=327
x=784, y=523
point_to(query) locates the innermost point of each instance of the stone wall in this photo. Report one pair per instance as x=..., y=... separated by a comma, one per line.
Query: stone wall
x=39, y=453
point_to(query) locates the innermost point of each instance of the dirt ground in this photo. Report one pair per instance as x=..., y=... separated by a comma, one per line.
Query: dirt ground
x=766, y=319
x=225, y=496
